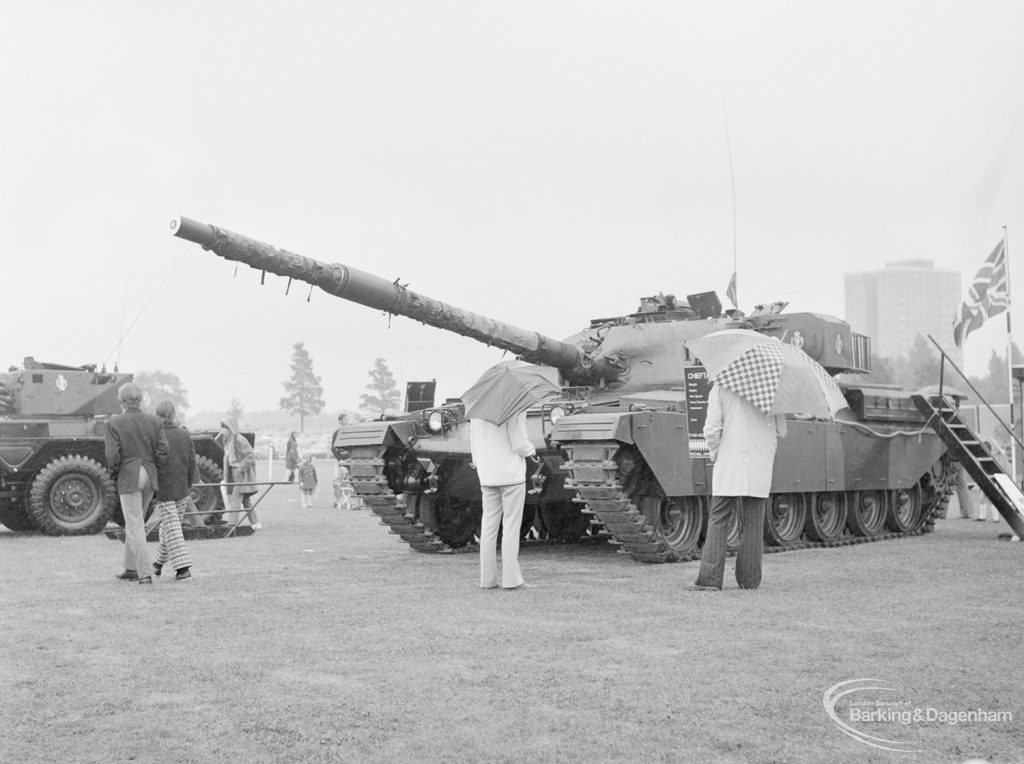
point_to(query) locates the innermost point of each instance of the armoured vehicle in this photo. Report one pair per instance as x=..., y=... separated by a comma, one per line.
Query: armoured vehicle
x=53, y=474
x=620, y=449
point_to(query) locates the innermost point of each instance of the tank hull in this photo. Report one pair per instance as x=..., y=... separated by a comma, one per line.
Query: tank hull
x=613, y=471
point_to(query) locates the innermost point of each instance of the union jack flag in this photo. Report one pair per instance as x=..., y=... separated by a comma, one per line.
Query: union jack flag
x=987, y=296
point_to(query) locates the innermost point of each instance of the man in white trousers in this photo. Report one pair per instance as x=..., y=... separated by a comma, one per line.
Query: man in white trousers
x=499, y=453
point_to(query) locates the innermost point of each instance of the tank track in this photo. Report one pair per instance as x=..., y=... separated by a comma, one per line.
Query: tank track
x=593, y=474
x=366, y=471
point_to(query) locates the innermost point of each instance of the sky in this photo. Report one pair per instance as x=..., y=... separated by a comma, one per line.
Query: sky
x=541, y=163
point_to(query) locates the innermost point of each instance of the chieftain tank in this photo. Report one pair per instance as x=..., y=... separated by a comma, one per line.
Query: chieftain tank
x=620, y=449
x=53, y=473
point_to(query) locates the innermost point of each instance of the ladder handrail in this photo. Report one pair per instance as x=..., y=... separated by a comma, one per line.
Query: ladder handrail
x=943, y=357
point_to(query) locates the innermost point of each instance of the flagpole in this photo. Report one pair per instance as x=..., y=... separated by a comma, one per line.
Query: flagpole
x=732, y=183
x=1009, y=355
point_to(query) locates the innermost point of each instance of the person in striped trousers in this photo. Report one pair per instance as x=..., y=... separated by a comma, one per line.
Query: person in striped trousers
x=742, y=441
x=174, y=495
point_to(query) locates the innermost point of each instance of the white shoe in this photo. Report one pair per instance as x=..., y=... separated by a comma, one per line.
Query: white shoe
x=257, y=526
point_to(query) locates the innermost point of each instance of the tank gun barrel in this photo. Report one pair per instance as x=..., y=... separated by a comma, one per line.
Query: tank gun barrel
x=376, y=292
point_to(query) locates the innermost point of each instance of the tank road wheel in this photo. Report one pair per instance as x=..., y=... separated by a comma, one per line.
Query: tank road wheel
x=827, y=516
x=678, y=520
x=733, y=537
x=208, y=499
x=906, y=509
x=71, y=496
x=456, y=520
x=785, y=519
x=867, y=513
x=14, y=516
x=563, y=521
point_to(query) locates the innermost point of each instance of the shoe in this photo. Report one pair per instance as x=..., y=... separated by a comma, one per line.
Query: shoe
x=158, y=568
x=702, y=588
x=146, y=580
x=980, y=519
x=128, y=575
x=513, y=588
x=183, y=574
x=257, y=526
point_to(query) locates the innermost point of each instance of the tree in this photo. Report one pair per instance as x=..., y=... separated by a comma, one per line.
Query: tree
x=305, y=394
x=384, y=395
x=159, y=386
x=922, y=366
x=236, y=410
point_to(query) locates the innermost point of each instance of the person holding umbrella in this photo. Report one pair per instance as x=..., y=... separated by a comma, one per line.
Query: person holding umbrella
x=496, y=407
x=741, y=440
x=757, y=381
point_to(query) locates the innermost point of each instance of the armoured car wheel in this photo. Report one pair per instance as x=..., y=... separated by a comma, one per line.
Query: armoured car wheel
x=208, y=499
x=563, y=521
x=906, y=509
x=678, y=520
x=71, y=496
x=14, y=516
x=867, y=513
x=785, y=519
x=827, y=516
x=456, y=521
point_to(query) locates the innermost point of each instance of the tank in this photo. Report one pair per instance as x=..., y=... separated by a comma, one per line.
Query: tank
x=621, y=452
x=53, y=473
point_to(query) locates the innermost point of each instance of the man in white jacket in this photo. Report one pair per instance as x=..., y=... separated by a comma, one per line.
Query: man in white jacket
x=742, y=440
x=498, y=454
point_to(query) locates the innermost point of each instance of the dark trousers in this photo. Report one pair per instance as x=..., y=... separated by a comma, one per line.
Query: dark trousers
x=750, y=511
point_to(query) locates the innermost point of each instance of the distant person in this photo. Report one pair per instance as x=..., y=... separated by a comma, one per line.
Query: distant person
x=499, y=453
x=308, y=480
x=291, y=457
x=239, y=467
x=742, y=441
x=964, y=498
x=174, y=495
x=339, y=453
x=136, y=450
x=342, y=487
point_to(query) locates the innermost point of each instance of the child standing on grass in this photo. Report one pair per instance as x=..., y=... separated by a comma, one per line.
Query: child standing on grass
x=307, y=480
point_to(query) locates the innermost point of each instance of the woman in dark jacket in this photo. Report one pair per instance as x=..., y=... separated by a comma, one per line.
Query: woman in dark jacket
x=173, y=497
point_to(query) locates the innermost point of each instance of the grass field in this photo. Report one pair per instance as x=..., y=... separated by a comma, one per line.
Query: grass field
x=323, y=638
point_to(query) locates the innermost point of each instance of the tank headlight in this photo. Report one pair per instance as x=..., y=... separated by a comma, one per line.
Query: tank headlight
x=435, y=421
x=555, y=413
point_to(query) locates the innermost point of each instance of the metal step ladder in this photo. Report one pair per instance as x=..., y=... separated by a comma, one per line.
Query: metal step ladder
x=966, y=447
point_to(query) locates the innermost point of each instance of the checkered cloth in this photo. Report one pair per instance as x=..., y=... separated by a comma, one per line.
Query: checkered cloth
x=172, y=543
x=754, y=375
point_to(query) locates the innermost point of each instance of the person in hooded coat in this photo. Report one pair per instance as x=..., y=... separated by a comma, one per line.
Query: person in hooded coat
x=239, y=467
